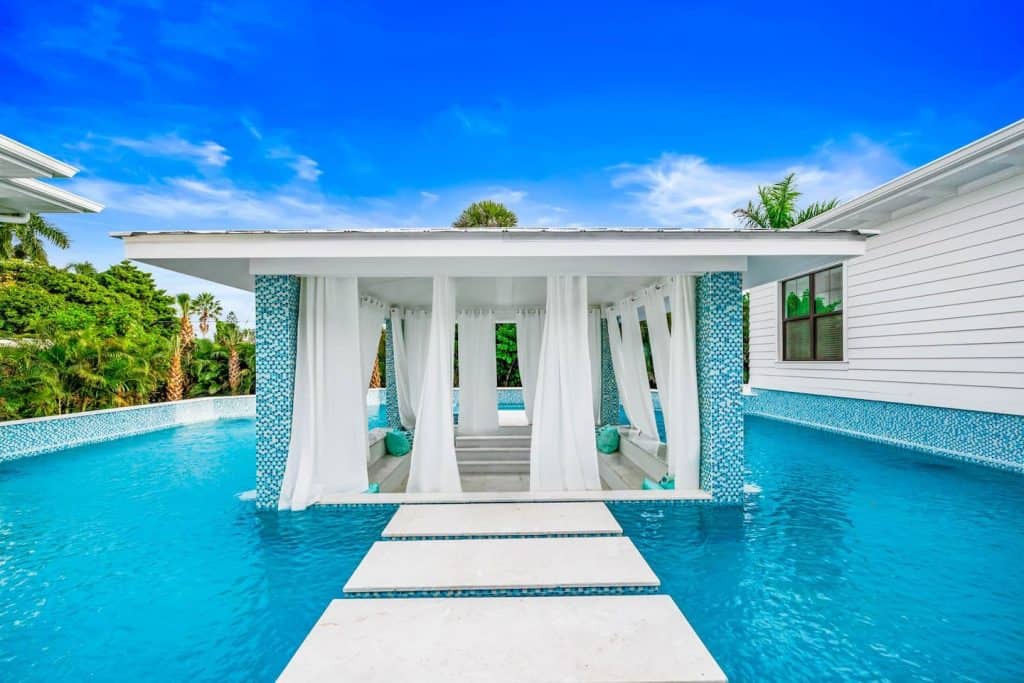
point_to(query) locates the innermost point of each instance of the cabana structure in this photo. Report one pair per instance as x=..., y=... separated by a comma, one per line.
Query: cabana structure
x=577, y=297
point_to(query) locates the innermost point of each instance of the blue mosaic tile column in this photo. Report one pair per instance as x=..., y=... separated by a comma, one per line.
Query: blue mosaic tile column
x=719, y=385
x=277, y=313
x=609, y=388
x=391, y=390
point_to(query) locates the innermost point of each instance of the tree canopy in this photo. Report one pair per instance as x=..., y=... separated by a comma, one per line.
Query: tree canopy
x=776, y=207
x=486, y=214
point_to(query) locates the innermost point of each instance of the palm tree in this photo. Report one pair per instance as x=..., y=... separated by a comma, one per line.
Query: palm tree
x=175, y=376
x=232, y=338
x=25, y=240
x=82, y=268
x=207, y=308
x=185, y=330
x=486, y=214
x=776, y=207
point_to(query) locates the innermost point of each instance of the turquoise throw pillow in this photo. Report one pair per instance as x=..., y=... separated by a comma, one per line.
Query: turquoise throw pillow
x=608, y=439
x=397, y=443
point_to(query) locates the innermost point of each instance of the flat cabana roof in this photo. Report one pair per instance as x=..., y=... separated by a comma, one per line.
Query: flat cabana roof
x=233, y=257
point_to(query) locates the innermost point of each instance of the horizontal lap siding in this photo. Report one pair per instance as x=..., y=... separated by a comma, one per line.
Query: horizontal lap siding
x=934, y=311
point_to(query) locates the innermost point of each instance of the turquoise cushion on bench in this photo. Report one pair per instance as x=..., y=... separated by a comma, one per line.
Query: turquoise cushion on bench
x=608, y=439
x=397, y=442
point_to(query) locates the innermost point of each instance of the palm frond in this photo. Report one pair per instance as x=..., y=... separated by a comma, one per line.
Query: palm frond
x=816, y=209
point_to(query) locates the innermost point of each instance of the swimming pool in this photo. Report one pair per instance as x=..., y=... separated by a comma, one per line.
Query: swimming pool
x=858, y=561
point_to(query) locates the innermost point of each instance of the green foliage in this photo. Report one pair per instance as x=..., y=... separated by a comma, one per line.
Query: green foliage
x=78, y=340
x=776, y=207
x=26, y=240
x=486, y=214
x=508, y=356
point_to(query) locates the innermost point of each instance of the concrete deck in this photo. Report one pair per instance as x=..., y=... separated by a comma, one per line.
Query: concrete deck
x=502, y=563
x=501, y=519
x=582, y=638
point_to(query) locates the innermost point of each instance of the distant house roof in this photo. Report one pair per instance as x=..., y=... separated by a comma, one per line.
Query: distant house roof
x=21, y=193
x=987, y=160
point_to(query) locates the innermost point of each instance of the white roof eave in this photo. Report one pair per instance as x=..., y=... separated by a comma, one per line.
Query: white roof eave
x=43, y=198
x=35, y=163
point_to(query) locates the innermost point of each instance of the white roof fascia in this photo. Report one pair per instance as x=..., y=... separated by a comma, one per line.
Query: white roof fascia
x=35, y=163
x=994, y=156
x=62, y=201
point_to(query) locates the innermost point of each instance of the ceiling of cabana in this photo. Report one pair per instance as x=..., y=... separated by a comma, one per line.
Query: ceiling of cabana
x=495, y=292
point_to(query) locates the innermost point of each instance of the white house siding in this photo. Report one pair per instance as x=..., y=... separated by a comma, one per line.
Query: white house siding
x=934, y=311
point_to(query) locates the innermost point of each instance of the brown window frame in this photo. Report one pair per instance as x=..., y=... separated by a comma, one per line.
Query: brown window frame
x=812, y=315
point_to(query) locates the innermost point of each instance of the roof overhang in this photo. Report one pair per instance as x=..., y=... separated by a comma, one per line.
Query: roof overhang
x=21, y=161
x=987, y=160
x=26, y=195
x=234, y=257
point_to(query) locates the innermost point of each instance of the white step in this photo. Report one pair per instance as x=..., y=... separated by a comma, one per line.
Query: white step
x=581, y=638
x=619, y=473
x=494, y=441
x=652, y=464
x=502, y=564
x=488, y=453
x=501, y=519
x=517, y=466
x=390, y=471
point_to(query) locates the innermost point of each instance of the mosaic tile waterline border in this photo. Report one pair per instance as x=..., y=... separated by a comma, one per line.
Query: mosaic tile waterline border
x=36, y=436
x=991, y=439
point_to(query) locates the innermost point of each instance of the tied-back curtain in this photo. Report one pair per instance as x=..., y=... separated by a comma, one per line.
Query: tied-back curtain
x=371, y=322
x=682, y=416
x=409, y=330
x=563, y=456
x=630, y=367
x=529, y=332
x=653, y=300
x=478, y=373
x=433, y=467
x=594, y=345
x=328, y=448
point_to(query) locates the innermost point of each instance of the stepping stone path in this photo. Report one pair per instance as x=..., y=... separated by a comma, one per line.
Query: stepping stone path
x=592, y=621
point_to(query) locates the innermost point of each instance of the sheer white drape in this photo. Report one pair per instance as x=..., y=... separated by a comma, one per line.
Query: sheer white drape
x=409, y=330
x=630, y=367
x=433, y=467
x=371, y=322
x=328, y=448
x=682, y=417
x=653, y=300
x=478, y=373
x=529, y=332
x=563, y=456
x=594, y=345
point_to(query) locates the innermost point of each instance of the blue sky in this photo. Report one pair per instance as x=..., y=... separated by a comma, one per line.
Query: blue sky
x=246, y=114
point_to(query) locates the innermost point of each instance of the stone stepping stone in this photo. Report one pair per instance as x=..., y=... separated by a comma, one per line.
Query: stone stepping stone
x=601, y=562
x=579, y=638
x=501, y=519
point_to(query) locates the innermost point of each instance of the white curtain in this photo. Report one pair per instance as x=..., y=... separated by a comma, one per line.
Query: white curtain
x=630, y=367
x=371, y=321
x=433, y=467
x=328, y=448
x=409, y=330
x=529, y=332
x=563, y=456
x=682, y=414
x=594, y=345
x=653, y=300
x=478, y=373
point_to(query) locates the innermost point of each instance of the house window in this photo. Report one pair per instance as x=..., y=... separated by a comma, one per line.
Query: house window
x=813, y=331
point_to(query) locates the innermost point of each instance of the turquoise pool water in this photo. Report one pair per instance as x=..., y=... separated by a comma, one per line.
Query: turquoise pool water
x=136, y=559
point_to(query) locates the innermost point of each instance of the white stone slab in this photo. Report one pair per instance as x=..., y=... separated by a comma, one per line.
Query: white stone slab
x=501, y=563
x=513, y=496
x=581, y=638
x=502, y=519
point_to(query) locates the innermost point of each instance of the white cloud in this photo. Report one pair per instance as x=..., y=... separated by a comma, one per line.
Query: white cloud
x=429, y=197
x=475, y=122
x=505, y=195
x=173, y=146
x=306, y=168
x=689, y=191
